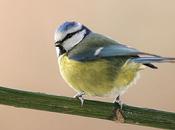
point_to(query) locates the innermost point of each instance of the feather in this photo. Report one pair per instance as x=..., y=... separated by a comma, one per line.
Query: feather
x=147, y=60
x=151, y=66
x=98, y=46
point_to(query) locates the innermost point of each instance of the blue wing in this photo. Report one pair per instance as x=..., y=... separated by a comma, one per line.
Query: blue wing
x=98, y=46
x=107, y=51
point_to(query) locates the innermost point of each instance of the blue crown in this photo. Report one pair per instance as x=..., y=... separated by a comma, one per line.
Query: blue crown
x=66, y=26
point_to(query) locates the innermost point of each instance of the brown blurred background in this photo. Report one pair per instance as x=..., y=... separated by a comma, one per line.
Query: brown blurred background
x=28, y=58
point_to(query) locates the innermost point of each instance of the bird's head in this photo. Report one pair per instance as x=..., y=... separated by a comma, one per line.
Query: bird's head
x=68, y=35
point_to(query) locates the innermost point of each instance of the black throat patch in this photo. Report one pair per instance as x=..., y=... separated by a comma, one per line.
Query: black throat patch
x=61, y=48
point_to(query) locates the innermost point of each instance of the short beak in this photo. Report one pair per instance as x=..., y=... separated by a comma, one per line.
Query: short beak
x=57, y=44
x=59, y=48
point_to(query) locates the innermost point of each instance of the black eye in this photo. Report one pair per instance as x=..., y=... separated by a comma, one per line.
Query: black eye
x=69, y=35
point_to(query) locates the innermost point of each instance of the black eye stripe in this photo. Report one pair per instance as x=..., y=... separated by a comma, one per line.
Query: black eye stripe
x=70, y=35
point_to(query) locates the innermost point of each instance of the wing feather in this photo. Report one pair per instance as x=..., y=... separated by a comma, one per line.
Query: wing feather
x=99, y=46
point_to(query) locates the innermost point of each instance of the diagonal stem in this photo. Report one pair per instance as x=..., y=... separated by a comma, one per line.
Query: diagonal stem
x=95, y=109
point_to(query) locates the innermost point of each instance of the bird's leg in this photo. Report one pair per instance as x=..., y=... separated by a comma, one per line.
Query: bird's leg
x=80, y=97
x=118, y=101
x=118, y=112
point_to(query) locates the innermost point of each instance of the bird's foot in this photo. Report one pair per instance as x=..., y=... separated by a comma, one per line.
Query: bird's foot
x=80, y=97
x=118, y=112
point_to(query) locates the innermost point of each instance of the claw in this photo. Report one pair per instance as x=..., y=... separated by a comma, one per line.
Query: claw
x=81, y=100
x=80, y=97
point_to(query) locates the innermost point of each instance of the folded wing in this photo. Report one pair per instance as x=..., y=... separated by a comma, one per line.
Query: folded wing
x=97, y=48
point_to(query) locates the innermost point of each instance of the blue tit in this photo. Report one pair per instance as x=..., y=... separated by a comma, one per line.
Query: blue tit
x=96, y=65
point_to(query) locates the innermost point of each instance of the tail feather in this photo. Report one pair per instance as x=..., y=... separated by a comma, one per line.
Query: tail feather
x=151, y=66
x=148, y=60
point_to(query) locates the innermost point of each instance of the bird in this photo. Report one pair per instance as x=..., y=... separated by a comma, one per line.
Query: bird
x=96, y=65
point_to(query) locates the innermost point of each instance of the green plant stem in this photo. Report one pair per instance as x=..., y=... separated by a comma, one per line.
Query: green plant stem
x=95, y=109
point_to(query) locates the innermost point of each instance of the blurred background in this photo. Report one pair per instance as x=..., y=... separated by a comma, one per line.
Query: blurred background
x=28, y=59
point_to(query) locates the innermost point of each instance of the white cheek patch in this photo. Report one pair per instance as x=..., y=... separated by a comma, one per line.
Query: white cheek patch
x=74, y=40
x=97, y=52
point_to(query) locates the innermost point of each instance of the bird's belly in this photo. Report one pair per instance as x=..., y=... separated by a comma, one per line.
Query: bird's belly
x=98, y=77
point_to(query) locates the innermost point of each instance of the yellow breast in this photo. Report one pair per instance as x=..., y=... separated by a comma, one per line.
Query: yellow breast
x=98, y=77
